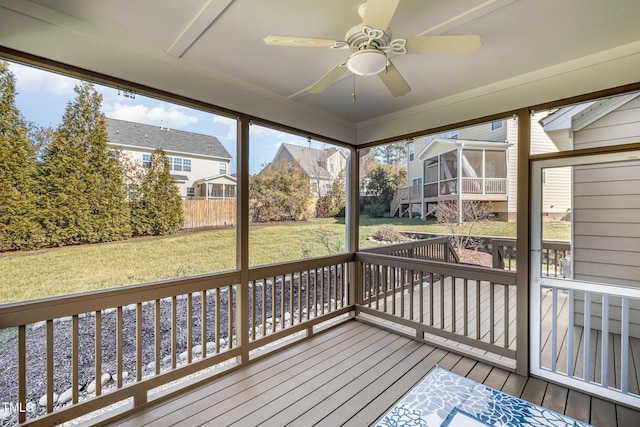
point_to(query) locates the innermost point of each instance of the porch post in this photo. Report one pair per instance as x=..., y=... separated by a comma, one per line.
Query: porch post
x=522, y=243
x=242, y=240
x=352, y=219
x=459, y=183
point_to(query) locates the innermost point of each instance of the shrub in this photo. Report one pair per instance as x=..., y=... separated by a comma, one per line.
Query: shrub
x=387, y=233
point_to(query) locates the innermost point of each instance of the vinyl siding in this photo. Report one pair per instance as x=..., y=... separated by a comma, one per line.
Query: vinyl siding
x=606, y=221
x=621, y=126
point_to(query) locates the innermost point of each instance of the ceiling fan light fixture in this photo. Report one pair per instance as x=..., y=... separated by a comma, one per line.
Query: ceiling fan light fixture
x=367, y=62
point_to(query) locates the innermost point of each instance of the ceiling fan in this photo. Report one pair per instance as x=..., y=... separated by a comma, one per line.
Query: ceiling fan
x=371, y=45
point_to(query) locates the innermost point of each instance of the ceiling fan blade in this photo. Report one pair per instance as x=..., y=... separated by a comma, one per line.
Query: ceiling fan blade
x=330, y=77
x=378, y=13
x=298, y=41
x=454, y=44
x=394, y=81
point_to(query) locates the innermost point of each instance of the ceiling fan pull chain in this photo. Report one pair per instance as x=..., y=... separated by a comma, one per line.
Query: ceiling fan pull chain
x=353, y=94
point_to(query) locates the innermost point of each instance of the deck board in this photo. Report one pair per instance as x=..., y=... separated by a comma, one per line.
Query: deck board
x=351, y=374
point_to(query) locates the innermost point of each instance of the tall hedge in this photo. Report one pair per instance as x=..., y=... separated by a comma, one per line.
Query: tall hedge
x=157, y=208
x=18, y=226
x=279, y=192
x=83, y=199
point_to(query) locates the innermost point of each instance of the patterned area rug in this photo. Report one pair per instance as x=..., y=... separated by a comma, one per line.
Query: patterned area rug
x=445, y=399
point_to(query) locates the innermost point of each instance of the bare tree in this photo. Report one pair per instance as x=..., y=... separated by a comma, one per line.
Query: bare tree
x=473, y=212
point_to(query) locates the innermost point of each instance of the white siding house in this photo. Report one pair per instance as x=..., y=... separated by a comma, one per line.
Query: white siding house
x=481, y=161
x=199, y=163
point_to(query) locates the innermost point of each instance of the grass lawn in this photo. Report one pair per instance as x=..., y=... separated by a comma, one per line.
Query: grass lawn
x=51, y=272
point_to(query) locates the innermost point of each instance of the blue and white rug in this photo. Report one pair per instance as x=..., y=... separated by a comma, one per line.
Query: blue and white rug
x=445, y=399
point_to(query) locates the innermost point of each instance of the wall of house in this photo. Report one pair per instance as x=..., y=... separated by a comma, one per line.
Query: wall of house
x=621, y=126
x=606, y=242
x=201, y=167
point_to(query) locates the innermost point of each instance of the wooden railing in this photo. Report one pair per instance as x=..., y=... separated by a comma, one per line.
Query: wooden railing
x=433, y=249
x=555, y=256
x=150, y=335
x=465, y=305
x=153, y=334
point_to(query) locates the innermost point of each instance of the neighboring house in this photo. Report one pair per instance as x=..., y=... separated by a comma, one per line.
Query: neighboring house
x=481, y=161
x=605, y=215
x=199, y=163
x=321, y=166
x=605, y=197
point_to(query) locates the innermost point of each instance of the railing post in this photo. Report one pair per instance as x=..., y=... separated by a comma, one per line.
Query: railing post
x=497, y=259
x=522, y=243
x=242, y=241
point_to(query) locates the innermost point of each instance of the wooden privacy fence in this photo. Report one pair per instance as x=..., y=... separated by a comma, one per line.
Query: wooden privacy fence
x=199, y=213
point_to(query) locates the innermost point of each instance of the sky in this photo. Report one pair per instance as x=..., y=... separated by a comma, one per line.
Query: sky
x=42, y=97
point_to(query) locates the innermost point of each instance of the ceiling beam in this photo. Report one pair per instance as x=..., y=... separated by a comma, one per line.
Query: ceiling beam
x=203, y=20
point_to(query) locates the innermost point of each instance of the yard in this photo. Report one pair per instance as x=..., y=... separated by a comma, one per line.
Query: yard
x=52, y=272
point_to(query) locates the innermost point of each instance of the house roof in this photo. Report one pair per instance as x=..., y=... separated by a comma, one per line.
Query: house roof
x=130, y=134
x=312, y=161
x=560, y=124
x=439, y=146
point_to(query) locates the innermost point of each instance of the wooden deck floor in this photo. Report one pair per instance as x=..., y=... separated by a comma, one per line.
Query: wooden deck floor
x=351, y=375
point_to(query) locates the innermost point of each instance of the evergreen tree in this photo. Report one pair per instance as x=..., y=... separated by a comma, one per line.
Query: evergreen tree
x=158, y=208
x=280, y=192
x=84, y=196
x=18, y=226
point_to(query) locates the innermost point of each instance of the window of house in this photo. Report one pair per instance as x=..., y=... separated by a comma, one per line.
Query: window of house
x=223, y=168
x=412, y=152
x=177, y=164
x=496, y=125
x=146, y=160
x=191, y=191
x=186, y=165
x=417, y=181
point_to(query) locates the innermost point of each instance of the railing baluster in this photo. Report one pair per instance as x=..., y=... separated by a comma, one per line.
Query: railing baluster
x=98, y=352
x=624, y=346
x=252, y=327
x=274, y=303
x=421, y=296
x=216, y=323
x=22, y=372
x=139, y=340
x=505, y=291
x=203, y=324
x=492, y=312
x=157, y=338
x=411, y=286
x=453, y=304
x=231, y=295
x=465, y=304
x=399, y=273
x=299, y=296
x=291, y=309
x=478, y=310
x=174, y=332
x=604, y=365
x=190, y=327
x=431, y=302
x=554, y=327
x=442, y=290
x=75, y=351
x=119, y=347
x=50, y=364
x=586, y=360
x=570, y=333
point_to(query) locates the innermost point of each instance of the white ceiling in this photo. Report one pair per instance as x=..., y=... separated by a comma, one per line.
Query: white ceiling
x=213, y=51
